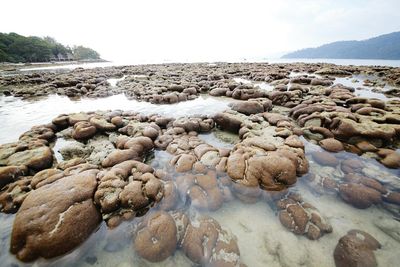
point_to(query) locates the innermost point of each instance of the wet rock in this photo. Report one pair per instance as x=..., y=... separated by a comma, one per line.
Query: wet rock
x=13, y=194
x=185, y=163
x=50, y=218
x=331, y=145
x=45, y=177
x=392, y=197
x=344, y=129
x=102, y=124
x=272, y=171
x=325, y=159
x=156, y=238
x=77, y=117
x=206, y=243
x=248, y=107
x=356, y=249
x=219, y=91
x=9, y=174
x=228, y=121
x=392, y=160
x=359, y=196
x=302, y=218
x=83, y=130
x=121, y=198
x=202, y=190
x=70, y=163
x=38, y=158
x=118, y=156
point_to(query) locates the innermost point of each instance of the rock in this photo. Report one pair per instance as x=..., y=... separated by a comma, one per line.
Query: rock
x=392, y=197
x=325, y=159
x=13, y=194
x=118, y=156
x=38, y=158
x=156, y=238
x=301, y=218
x=248, y=107
x=359, y=196
x=77, y=117
x=344, y=129
x=273, y=171
x=202, y=190
x=102, y=124
x=331, y=145
x=356, y=249
x=56, y=218
x=365, y=146
x=83, y=130
x=185, y=163
x=206, y=243
x=70, y=163
x=117, y=121
x=45, y=177
x=10, y=174
x=392, y=160
x=200, y=239
x=229, y=122
x=218, y=91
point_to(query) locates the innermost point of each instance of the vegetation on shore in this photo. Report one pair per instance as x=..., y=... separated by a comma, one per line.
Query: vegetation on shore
x=17, y=48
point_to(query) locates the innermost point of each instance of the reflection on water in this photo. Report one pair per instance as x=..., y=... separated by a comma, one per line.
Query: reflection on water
x=220, y=139
x=345, y=62
x=59, y=144
x=357, y=82
x=113, y=82
x=260, y=85
x=20, y=115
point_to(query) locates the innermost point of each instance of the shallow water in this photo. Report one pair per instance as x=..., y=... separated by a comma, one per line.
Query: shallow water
x=357, y=82
x=262, y=239
x=261, y=85
x=345, y=62
x=20, y=115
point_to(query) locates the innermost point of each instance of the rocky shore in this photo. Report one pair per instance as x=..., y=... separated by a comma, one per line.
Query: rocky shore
x=287, y=125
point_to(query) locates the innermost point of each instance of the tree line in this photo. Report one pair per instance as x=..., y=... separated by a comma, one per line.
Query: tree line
x=17, y=48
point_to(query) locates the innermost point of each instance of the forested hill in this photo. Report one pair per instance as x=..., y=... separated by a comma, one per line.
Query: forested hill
x=382, y=47
x=18, y=48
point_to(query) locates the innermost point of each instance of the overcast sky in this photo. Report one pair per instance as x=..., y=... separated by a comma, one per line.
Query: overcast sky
x=199, y=30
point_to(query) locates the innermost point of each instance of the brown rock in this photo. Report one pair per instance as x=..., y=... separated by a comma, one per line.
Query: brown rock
x=38, y=158
x=392, y=160
x=9, y=174
x=325, y=159
x=331, y=145
x=356, y=249
x=56, y=218
x=359, y=195
x=83, y=130
x=156, y=238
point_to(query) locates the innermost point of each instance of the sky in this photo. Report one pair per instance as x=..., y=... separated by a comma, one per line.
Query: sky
x=199, y=30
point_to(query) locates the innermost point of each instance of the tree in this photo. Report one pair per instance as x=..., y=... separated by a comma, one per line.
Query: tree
x=18, y=48
x=81, y=52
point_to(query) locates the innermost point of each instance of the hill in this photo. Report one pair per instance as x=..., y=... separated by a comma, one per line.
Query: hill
x=382, y=47
x=18, y=48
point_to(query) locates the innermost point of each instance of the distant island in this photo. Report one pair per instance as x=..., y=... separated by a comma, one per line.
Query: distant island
x=382, y=47
x=15, y=48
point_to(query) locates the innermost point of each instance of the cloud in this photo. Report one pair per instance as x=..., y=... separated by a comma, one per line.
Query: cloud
x=199, y=30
